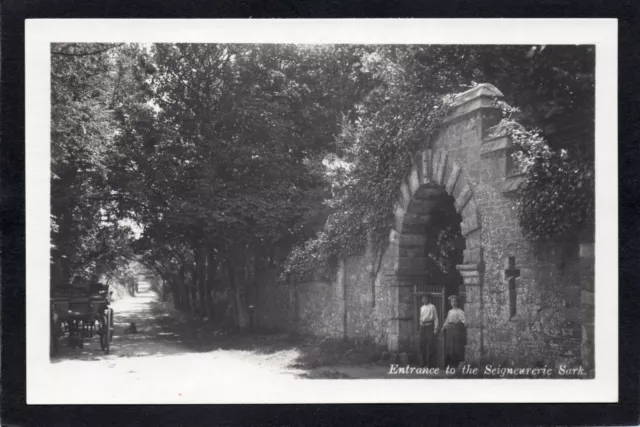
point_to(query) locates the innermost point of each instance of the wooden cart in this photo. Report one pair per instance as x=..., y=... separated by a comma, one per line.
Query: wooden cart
x=80, y=317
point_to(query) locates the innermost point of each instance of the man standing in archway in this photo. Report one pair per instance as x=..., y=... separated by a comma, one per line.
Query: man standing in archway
x=428, y=327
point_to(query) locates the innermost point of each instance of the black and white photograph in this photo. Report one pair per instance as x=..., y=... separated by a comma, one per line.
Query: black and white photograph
x=221, y=220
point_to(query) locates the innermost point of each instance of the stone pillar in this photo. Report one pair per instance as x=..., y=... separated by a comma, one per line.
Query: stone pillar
x=471, y=273
x=587, y=309
x=389, y=283
x=403, y=266
x=467, y=172
x=401, y=319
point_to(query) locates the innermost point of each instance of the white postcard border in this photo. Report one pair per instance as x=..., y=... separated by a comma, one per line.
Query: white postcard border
x=42, y=381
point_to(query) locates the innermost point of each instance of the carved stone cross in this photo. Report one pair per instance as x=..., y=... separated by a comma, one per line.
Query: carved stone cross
x=510, y=274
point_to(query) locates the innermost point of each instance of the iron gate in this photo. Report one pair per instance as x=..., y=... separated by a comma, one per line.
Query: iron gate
x=437, y=295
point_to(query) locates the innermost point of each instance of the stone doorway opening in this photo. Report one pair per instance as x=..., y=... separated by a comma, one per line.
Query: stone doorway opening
x=443, y=252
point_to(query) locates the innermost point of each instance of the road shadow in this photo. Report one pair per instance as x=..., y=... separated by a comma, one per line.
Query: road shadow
x=308, y=356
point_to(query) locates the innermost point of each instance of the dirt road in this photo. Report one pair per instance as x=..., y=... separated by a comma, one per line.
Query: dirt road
x=173, y=359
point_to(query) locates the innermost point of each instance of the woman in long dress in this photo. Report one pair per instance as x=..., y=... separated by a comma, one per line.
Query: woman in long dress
x=455, y=334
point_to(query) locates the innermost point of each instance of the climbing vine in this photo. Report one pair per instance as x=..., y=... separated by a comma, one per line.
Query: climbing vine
x=556, y=198
x=446, y=254
x=379, y=146
x=400, y=112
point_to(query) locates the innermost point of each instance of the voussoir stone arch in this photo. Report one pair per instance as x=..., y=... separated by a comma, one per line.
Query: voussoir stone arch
x=434, y=172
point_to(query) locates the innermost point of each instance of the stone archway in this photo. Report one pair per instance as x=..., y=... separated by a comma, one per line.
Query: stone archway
x=432, y=174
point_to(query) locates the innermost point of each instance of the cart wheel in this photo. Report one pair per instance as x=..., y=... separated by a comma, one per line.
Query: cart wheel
x=104, y=341
x=54, y=342
x=81, y=336
x=73, y=335
x=105, y=338
x=54, y=333
x=110, y=324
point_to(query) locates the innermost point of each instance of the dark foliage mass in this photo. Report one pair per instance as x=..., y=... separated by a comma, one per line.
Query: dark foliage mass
x=222, y=166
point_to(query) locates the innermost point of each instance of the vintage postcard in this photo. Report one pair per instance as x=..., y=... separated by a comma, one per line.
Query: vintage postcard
x=321, y=211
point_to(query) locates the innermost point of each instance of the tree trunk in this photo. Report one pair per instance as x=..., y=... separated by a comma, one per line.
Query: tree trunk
x=201, y=279
x=259, y=277
x=66, y=222
x=236, y=269
x=192, y=285
x=184, y=289
x=167, y=282
x=212, y=267
x=163, y=293
x=176, y=291
x=175, y=295
x=62, y=208
x=193, y=291
x=293, y=304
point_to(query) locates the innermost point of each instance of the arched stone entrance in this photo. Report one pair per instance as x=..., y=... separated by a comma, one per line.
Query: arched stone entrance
x=433, y=174
x=523, y=304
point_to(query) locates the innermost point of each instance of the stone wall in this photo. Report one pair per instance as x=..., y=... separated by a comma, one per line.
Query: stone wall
x=366, y=315
x=275, y=310
x=545, y=329
x=318, y=308
x=317, y=312
x=587, y=302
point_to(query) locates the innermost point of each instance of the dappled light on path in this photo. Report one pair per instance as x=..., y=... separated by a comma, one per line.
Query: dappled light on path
x=152, y=339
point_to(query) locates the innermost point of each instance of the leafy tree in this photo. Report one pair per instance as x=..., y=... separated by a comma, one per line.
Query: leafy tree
x=221, y=162
x=81, y=151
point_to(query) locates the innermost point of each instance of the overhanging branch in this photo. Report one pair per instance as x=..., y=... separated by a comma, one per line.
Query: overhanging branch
x=95, y=52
